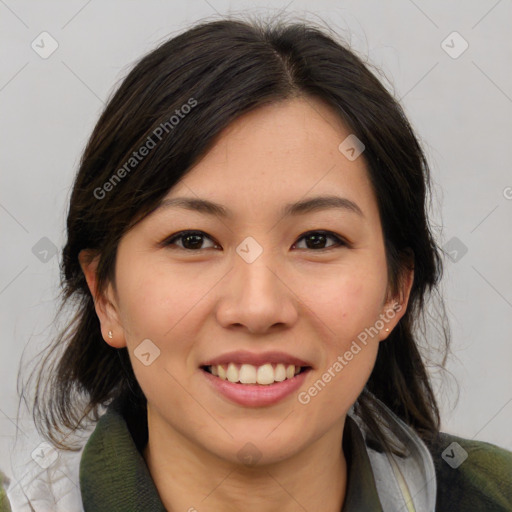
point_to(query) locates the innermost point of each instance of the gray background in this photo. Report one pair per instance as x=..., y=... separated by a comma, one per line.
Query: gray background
x=460, y=107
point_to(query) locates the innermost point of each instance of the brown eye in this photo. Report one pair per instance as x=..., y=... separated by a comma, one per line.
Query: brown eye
x=316, y=240
x=191, y=240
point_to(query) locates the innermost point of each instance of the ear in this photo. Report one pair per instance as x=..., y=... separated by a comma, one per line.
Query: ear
x=105, y=303
x=395, y=307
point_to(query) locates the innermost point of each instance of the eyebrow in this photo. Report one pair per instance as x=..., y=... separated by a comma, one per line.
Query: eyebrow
x=313, y=204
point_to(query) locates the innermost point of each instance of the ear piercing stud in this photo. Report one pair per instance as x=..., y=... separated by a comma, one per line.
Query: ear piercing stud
x=387, y=330
x=110, y=334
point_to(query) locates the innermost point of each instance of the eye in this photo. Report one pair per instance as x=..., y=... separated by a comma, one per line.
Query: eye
x=317, y=240
x=193, y=240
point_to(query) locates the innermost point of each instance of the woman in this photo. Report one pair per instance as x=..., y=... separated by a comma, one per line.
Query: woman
x=250, y=253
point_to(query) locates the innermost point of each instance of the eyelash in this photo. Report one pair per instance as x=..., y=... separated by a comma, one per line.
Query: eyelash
x=329, y=234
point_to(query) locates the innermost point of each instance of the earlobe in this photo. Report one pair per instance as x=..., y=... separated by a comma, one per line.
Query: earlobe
x=104, y=303
x=389, y=317
x=395, y=309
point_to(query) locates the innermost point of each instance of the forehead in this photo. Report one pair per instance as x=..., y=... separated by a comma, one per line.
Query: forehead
x=276, y=155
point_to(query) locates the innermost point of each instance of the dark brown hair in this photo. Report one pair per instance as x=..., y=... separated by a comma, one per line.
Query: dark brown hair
x=229, y=67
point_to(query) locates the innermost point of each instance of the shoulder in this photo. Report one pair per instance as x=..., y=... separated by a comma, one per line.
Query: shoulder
x=471, y=475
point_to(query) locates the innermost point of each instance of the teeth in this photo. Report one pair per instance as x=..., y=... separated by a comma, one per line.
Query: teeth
x=265, y=374
x=249, y=374
x=280, y=373
x=232, y=374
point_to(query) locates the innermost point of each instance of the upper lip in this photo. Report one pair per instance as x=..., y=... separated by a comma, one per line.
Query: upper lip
x=245, y=357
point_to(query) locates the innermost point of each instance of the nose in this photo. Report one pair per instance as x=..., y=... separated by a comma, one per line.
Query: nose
x=257, y=297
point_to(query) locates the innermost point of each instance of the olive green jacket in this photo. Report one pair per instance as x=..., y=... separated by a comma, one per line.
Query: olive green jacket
x=4, y=502
x=114, y=476
x=450, y=474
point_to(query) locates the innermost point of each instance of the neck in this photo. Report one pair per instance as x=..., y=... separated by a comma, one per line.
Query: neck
x=189, y=478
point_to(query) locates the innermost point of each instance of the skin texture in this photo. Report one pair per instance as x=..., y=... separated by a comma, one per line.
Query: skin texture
x=199, y=303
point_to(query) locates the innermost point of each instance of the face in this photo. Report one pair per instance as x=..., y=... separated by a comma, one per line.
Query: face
x=257, y=290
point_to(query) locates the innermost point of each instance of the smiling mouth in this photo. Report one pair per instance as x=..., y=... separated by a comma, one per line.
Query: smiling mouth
x=266, y=374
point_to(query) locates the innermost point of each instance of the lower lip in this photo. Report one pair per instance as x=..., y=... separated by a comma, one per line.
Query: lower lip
x=256, y=395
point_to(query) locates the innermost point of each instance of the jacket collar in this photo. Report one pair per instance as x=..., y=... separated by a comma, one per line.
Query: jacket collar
x=114, y=475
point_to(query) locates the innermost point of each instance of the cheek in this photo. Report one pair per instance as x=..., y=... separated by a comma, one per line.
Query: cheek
x=156, y=301
x=347, y=304
x=347, y=307
x=159, y=306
